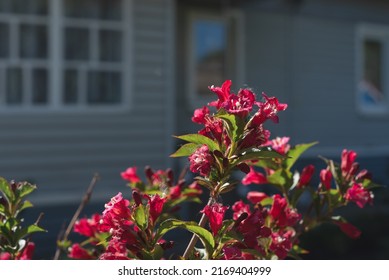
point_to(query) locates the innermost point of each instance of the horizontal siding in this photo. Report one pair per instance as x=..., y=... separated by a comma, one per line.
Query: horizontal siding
x=60, y=152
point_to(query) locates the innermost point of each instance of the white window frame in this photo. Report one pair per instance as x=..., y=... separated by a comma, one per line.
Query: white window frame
x=195, y=100
x=55, y=63
x=378, y=33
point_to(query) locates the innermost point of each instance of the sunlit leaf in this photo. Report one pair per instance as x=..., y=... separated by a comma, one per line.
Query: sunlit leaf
x=200, y=139
x=295, y=152
x=185, y=150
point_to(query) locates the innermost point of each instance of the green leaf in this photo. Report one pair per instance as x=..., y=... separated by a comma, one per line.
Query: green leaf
x=281, y=177
x=25, y=189
x=30, y=230
x=258, y=153
x=267, y=201
x=185, y=150
x=295, y=152
x=141, y=217
x=2, y=209
x=5, y=188
x=200, y=139
x=26, y=204
x=335, y=198
x=204, y=235
x=235, y=124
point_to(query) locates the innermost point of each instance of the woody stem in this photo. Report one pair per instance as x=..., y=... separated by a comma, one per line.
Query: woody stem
x=195, y=238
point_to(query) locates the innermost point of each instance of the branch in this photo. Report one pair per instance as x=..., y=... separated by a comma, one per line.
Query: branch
x=84, y=202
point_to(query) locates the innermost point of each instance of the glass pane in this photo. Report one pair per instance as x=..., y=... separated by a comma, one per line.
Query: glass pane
x=33, y=41
x=104, y=87
x=210, y=54
x=76, y=43
x=372, y=66
x=37, y=7
x=4, y=39
x=370, y=88
x=5, y=6
x=14, y=86
x=110, y=9
x=70, y=87
x=110, y=45
x=39, y=86
x=94, y=9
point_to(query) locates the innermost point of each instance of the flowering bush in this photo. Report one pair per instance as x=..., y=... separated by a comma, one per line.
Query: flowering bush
x=15, y=241
x=232, y=138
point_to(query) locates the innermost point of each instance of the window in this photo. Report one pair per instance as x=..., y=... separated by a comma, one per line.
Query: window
x=63, y=54
x=214, y=54
x=372, y=68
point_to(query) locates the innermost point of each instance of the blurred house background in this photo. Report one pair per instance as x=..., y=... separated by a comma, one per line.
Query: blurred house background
x=99, y=85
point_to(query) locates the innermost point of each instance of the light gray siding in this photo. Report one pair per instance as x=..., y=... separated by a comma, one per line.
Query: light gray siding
x=306, y=56
x=60, y=152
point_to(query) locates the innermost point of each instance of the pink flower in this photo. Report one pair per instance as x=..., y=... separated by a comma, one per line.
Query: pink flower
x=213, y=129
x=26, y=253
x=350, y=230
x=326, y=178
x=79, y=253
x=116, y=214
x=215, y=214
x=201, y=161
x=253, y=227
x=116, y=250
x=130, y=175
x=358, y=194
x=362, y=175
x=232, y=253
x=5, y=256
x=156, y=206
x=254, y=177
x=306, y=176
x=88, y=227
x=195, y=188
x=282, y=214
x=279, y=144
x=175, y=192
x=199, y=115
x=348, y=158
x=240, y=104
x=256, y=136
x=256, y=197
x=222, y=92
x=268, y=110
x=281, y=243
x=240, y=207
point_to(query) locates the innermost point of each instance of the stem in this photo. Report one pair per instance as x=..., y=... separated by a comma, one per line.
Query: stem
x=195, y=238
x=84, y=202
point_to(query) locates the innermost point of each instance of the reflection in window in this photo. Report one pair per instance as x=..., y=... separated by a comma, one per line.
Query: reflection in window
x=36, y=7
x=104, y=87
x=39, y=86
x=110, y=43
x=370, y=87
x=93, y=9
x=4, y=40
x=33, y=41
x=70, y=87
x=14, y=86
x=76, y=43
x=210, y=54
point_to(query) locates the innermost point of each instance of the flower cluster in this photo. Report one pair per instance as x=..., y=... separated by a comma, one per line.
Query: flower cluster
x=232, y=138
x=130, y=228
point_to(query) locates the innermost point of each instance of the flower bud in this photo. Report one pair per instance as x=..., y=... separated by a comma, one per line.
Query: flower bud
x=149, y=173
x=137, y=198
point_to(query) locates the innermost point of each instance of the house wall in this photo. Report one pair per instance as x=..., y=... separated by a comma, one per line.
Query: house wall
x=306, y=55
x=60, y=152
